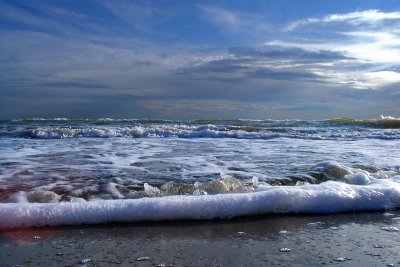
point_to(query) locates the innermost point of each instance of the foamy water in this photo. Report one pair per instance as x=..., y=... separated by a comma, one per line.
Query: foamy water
x=65, y=171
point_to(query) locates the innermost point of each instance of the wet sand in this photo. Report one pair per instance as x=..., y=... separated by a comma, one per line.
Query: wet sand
x=353, y=239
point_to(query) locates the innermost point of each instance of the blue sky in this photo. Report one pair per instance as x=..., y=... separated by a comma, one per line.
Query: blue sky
x=200, y=59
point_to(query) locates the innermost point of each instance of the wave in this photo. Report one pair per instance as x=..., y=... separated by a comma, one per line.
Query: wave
x=334, y=129
x=182, y=131
x=327, y=197
x=87, y=189
x=206, y=131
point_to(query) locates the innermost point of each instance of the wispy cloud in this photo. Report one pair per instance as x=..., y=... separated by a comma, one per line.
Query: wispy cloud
x=139, y=15
x=220, y=16
x=356, y=18
x=367, y=16
x=287, y=53
x=31, y=20
x=250, y=25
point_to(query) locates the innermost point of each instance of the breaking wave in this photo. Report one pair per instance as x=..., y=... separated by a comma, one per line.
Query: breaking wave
x=327, y=197
x=205, y=131
x=332, y=188
x=334, y=129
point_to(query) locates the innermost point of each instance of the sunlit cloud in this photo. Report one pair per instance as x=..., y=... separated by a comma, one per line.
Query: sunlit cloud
x=374, y=49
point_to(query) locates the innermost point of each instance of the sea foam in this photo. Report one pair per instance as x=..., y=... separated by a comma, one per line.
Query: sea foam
x=327, y=197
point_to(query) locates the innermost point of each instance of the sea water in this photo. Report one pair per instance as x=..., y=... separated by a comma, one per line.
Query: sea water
x=73, y=171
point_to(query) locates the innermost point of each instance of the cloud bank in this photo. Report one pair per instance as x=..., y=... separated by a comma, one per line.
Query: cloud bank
x=186, y=60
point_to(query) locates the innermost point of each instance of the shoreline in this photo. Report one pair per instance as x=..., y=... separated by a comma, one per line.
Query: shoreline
x=357, y=239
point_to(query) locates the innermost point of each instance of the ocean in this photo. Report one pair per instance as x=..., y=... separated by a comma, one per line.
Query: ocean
x=89, y=171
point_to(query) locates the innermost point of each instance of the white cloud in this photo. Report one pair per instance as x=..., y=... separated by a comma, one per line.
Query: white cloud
x=382, y=77
x=372, y=53
x=292, y=26
x=359, y=17
x=368, y=16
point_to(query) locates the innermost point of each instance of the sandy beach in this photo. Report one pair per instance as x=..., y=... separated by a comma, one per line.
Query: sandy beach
x=353, y=239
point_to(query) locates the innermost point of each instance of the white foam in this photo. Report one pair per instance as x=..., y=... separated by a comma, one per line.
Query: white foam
x=19, y=197
x=42, y=196
x=358, y=178
x=328, y=197
x=112, y=189
x=151, y=191
x=208, y=131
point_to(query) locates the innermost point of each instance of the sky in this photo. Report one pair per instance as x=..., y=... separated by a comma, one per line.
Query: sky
x=258, y=59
